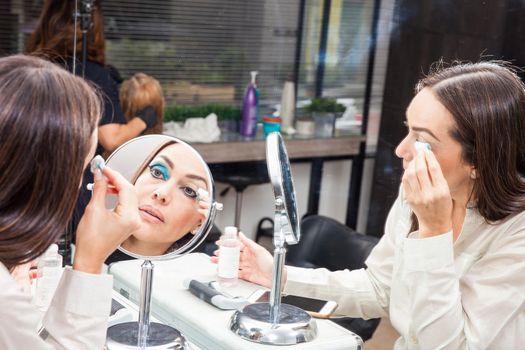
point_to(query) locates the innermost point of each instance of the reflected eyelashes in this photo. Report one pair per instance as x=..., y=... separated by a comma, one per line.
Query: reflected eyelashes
x=159, y=171
x=190, y=192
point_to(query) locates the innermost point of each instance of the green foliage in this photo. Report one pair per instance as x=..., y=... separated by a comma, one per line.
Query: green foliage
x=179, y=113
x=324, y=104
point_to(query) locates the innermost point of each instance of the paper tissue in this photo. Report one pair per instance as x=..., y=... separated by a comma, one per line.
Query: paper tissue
x=204, y=130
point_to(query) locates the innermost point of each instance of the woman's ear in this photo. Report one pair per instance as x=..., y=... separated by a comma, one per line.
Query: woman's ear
x=473, y=174
x=197, y=228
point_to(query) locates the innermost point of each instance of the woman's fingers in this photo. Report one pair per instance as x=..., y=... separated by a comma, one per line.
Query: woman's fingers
x=127, y=199
x=434, y=169
x=248, y=242
x=418, y=180
x=422, y=171
x=99, y=187
x=33, y=274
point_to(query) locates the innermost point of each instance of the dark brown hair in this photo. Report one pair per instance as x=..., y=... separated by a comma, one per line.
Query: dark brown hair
x=487, y=102
x=139, y=91
x=47, y=119
x=55, y=30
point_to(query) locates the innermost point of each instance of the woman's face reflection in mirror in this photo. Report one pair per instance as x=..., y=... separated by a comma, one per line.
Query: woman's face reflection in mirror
x=167, y=185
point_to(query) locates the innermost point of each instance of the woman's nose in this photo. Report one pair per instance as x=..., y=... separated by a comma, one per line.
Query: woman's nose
x=405, y=150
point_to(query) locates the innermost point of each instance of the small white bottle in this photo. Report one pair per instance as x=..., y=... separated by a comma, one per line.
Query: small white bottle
x=49, y=271
x=228, y=268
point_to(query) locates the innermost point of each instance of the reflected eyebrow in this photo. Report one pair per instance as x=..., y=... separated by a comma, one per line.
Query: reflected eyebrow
x=167, y=160
x=418, y=129
x=189, y=176
x=198, y=178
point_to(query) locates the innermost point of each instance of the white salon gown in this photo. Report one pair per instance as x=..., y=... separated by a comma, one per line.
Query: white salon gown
x=76, y=319
x=439, y=294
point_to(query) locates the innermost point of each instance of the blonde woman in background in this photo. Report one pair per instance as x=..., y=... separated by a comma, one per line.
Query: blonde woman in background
x=143, y=92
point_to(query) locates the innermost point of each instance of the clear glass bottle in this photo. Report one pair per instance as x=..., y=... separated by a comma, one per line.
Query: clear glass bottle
x=49, y=270
x=228, y=268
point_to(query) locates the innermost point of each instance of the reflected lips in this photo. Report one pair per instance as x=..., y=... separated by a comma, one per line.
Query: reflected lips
x=151, y=214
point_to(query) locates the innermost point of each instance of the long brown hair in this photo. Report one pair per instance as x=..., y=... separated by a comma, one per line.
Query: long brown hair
x=487, y=102
x=145, y=164
x=139, y=91
x=55, y=30
x=47, y=119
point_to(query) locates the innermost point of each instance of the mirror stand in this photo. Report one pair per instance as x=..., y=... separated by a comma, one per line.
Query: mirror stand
x=144, y=334
x=275, y=323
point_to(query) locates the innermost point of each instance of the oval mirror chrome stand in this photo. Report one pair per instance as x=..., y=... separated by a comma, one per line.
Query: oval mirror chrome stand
x=167, y=173
x=275, y=323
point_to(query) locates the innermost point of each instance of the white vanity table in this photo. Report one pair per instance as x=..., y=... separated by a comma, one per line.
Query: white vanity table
x=205, y=326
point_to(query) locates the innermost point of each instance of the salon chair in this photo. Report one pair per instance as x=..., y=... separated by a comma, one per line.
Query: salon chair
x=208, y=245
x=239, y=176
x=327, y=243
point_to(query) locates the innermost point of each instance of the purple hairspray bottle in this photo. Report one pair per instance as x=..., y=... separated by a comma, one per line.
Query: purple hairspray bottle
x=249, y=109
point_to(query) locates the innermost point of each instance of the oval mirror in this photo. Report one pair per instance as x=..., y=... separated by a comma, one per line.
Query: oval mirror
x=282, y=182
x=176, y=196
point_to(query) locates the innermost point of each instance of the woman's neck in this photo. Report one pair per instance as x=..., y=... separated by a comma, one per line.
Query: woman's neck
x=460, y=201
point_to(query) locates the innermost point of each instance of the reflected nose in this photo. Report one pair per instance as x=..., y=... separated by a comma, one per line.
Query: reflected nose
x=161, y=196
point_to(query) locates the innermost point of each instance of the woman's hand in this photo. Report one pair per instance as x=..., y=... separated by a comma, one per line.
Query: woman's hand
x=100, y=230
x=24, y=274
x=256, y=263
x=426, y=191
x=204, y=203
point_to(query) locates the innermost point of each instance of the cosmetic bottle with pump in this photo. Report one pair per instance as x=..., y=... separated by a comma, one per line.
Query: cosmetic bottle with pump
x=49, y=272
x=249, y=109
x=228, y=267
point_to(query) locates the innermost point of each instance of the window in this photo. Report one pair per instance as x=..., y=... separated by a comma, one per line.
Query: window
x=203, y=50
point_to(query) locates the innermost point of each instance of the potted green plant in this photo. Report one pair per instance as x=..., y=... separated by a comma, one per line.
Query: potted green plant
x=323, y=111
x=228, y=116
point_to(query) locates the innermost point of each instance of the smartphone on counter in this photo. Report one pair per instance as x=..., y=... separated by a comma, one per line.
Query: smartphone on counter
x=315, y=307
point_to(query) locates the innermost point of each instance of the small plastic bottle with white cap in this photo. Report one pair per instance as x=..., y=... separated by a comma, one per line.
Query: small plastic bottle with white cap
x=229, y=254
x=49, y=272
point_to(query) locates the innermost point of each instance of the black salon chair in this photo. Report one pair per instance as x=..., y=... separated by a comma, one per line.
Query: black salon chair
x=239, y=176
x=208, y=245
x=327, y=243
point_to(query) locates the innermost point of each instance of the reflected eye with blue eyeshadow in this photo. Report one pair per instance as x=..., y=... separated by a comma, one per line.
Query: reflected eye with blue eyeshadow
x=159, y=171
x=167, y=190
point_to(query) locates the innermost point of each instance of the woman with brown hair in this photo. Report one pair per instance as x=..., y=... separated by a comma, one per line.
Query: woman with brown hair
x=53, y=39
x=48, y=119
x=140, y=92
x=449, y=270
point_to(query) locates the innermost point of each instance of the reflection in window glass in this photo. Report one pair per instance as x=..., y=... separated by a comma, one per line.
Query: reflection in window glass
x=347, y=53
x=202, y=51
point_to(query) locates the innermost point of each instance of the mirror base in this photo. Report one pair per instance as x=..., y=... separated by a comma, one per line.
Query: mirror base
x=294, y=325
x=124, y=336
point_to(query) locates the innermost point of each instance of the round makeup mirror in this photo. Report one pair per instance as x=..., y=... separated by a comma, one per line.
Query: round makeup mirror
x=275, y=323
x=177, y=207
x=283, y=189
x=171, y=179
